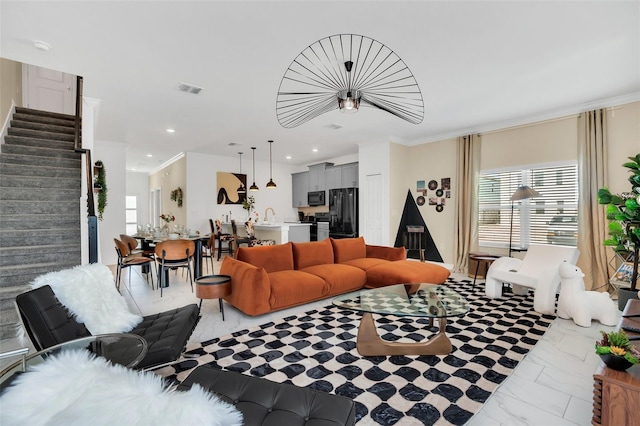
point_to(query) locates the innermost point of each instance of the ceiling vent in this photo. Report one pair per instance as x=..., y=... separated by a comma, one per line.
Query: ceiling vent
x=189, y=88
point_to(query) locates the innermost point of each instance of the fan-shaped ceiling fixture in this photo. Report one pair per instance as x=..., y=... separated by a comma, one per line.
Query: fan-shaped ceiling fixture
x=347, y=71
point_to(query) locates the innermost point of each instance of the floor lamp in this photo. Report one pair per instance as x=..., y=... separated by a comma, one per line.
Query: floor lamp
x=522, y=193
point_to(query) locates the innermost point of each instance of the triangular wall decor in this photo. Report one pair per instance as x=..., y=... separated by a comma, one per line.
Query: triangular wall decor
x=411, y=216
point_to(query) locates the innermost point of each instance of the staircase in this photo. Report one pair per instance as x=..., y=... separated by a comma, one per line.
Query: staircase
x=40, y=189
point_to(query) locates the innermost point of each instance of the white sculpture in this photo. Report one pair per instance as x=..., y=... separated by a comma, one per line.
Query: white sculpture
x=583, y=306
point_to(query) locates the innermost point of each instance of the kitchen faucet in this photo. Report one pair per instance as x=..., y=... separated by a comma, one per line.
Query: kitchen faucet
x=273, y=213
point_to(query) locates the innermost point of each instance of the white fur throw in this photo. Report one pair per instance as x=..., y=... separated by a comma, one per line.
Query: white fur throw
x=90, y=294
x=77, y=388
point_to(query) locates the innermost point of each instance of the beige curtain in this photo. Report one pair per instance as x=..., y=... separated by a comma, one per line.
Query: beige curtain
x=466, y=196
x=592, y=165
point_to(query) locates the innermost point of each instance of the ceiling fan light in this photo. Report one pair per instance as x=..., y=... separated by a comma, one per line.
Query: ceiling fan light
x=349, y=101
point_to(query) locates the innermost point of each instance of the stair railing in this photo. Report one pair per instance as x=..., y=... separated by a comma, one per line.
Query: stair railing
x=91, y=209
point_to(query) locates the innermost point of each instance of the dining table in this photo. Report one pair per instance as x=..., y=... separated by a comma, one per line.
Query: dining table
x=147, y=239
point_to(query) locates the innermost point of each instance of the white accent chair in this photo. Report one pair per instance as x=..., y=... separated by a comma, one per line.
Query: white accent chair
x=539, y=270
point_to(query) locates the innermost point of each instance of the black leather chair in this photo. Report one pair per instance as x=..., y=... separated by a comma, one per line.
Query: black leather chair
x=263, y=402
x=49, y=323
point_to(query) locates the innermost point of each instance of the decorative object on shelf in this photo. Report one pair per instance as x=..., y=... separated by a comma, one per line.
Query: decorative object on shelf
x=623, y=212
x=176, y=195
x=254, y=187
x=229, y=185
x=271, y=184
x=100, y=184
x=522, y=193
x=616, y=351
x=241, y=189
x=346, y=71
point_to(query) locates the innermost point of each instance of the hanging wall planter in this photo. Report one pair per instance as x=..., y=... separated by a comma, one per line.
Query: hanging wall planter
x=100, y=186
x=176, y=195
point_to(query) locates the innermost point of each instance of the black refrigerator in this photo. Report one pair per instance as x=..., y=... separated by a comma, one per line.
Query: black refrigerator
x=343, y=213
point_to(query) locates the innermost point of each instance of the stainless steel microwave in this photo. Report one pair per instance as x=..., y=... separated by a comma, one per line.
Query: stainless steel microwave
x=315, y=198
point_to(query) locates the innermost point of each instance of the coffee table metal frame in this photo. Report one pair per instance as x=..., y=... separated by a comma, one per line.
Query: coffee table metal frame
x=417, y=300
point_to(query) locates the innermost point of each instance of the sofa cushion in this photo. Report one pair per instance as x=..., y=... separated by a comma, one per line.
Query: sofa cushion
x=271, y=258
x=387, y=253
x=290, y=288
x=365, y=262
x=312, y=253
x=339, y=278
x=405, y=271
x=345, y=249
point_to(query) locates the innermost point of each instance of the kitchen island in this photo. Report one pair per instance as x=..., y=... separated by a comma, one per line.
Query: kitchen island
x=279, y=232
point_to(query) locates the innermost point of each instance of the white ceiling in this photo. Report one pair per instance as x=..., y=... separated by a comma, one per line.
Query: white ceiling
x=480, y=65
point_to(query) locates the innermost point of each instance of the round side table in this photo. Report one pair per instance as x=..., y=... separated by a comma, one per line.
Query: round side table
x=213, y=287
x=484, y=259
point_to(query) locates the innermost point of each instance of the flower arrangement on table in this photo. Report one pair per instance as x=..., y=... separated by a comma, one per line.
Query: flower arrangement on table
x=167, y=218
x=616, y=351
x=248, y=204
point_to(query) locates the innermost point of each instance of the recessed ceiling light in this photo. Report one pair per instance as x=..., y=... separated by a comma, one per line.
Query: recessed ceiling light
x=171, y=130
x=41, y=45
x=149, y=155
x=133, y=170
x=288, y=157
x=314, y=150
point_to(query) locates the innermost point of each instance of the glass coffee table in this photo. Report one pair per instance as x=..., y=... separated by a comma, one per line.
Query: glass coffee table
x=404, y=300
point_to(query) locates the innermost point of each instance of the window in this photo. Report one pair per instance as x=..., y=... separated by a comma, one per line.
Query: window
x=131, y=214
x=551, y=218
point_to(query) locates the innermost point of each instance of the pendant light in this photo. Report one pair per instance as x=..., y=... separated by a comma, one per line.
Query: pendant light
x=241, y=188
x=254, y=187
x=271, y=184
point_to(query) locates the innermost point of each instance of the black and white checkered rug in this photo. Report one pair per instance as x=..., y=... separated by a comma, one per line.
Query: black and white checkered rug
x=318, y=350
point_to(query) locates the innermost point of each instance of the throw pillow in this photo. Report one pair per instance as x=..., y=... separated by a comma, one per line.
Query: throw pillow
x=90, y=294
x=76, y=387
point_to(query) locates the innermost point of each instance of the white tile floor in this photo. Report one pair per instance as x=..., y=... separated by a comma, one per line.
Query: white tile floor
x=551, y=386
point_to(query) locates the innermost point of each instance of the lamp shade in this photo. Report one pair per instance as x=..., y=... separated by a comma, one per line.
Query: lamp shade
x=349, y=101
x=523, y=192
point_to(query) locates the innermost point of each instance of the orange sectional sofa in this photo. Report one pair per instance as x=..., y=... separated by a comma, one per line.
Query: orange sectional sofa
x=270, y=278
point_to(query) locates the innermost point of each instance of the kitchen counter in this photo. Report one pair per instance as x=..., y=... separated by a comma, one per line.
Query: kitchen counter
x=279, y=232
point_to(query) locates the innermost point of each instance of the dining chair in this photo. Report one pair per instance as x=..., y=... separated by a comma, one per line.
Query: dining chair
x=223, y=238
x=208, y=250
x=173, y=254
x=251, y=234
x=126, y=260
x=237, y=240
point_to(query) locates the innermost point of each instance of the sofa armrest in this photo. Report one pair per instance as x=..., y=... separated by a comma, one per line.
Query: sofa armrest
x=250, y=286
x=387, y=253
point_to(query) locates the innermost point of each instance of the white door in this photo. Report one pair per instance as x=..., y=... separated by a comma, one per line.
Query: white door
x=373, y=210
x=49, y=90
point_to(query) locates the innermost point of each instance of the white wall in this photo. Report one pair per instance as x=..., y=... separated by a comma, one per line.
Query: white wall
x=113, y=156
x=202, y=189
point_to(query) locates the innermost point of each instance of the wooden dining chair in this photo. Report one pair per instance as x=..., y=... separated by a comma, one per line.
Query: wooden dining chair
x=126, y=260
x=236, y=239
x=208, y=251
x=173, y=254
x=223, y=238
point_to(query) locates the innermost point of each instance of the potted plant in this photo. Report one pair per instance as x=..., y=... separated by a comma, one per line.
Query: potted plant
x=247, y=204
x=623, y=212
x=616, y=351
x=100, y=185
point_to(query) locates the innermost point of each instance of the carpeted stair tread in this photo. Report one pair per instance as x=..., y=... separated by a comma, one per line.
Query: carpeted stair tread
x=37, y=142
x=68, y=121
x=38, y=207
x=41, y=182
x=48, y=152
x=40, y=113
x=12, y=169
x=42, y=127
x=17, y=131
x=39, y=160
x=47, y=254
x=36, y=222
x=36, y=194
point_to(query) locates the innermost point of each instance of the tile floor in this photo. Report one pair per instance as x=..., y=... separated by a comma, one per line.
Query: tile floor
x=551, y=386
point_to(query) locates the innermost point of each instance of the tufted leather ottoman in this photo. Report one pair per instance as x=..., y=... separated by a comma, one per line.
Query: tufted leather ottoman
x=263, y=402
